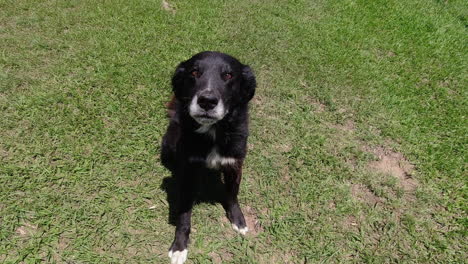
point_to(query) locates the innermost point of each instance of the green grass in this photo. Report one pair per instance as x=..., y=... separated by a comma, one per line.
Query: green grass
x=82, y=92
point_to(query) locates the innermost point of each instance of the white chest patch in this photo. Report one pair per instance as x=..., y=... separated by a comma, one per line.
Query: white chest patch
x=214, y=160
x=203, y=129
x=208, y=130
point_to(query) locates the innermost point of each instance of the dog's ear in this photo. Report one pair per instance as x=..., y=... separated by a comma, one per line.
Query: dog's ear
x=178, y=81
x=248, y=84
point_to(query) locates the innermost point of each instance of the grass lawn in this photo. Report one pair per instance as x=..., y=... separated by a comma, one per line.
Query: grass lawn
x=358, y=147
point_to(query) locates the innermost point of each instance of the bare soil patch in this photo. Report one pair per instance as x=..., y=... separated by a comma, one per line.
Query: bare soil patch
x=285, y=173
x=277, y=257
x=319, y=106
x=168, y=7
x=258, y=100
x=220, y=257
x=252, y=221
x=351, y=222
x=362, y=193
x=283, y=147
x=348, y=126
x=26, y=230
x=395, y=164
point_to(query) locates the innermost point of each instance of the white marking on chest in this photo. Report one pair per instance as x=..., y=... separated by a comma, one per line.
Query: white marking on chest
x=214, y=160
x=208, y=130
x=203, y=129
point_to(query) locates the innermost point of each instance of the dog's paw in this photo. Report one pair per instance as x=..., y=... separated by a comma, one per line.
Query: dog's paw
x=243, y=231
x=178, y=257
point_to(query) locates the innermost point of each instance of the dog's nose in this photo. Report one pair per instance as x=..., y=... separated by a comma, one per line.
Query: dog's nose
x=207, y=102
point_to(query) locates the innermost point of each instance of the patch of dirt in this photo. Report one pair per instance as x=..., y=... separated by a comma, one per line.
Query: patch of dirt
x=347, y=126
x=395, y=164
x=220, y=257
x=319, y=106
x=362, y=193
x=63, y=242
x=391, y=54
x=351, y=222
x=250, y=146
x=252, y=221
x=351, y=162
x=424, y=81
x=283, y=148
x=277, y=257
x=168, y=7
x=386, y=53
x=258, y=100
x=445, y=83
x=26, y=230
x=285, y=173
x=4, y=154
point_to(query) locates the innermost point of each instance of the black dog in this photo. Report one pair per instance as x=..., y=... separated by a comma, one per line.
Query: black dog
x=208, y=130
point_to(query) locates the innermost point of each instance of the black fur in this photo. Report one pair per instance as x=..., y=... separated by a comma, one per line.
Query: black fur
x=184, y=150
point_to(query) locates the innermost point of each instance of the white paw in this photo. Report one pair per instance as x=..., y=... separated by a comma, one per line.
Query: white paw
x=243, y=230
x=178, y=257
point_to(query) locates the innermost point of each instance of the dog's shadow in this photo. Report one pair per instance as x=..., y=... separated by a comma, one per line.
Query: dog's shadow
x=209, y=189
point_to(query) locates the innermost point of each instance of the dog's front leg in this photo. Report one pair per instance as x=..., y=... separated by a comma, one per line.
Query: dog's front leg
x=186, y=188
x=232, y=178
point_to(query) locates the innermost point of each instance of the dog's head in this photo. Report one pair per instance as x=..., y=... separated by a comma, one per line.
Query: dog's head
x=211, y=84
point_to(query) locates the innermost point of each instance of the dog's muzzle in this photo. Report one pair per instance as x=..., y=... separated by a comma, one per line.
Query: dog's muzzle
x=207, y=108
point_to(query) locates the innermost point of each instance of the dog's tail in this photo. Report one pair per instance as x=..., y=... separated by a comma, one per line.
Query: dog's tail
x=171, y=107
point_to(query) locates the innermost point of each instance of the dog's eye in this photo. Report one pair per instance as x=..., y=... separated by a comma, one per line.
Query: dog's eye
x=227, y=76
x=196, y=73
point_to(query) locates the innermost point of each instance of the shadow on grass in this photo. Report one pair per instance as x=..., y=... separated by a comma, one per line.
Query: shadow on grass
x=210, y=189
